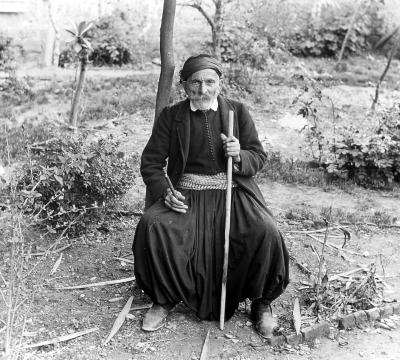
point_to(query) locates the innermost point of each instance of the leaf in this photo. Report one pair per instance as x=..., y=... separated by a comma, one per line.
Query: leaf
x=206, y=347
x=119, y=320
x=59, y=179
x=87, y=28
x=56, y=264
x=297, y=316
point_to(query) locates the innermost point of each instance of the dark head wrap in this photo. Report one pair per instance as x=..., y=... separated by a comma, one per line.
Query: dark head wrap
x=199, y=62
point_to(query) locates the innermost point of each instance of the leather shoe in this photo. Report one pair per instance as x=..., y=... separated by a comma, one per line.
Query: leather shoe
x=264, y=322
x=156, y=316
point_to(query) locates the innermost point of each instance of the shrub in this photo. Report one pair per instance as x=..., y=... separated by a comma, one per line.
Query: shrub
x=6, y=54
x=326, y=41
x=373, y=159
x=14, y=141
x=68, y=182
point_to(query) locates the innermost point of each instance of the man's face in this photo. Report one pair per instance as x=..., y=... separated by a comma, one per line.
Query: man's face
x=202, y=87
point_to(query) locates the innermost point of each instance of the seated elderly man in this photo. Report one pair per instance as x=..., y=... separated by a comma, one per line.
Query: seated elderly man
x=179, y=241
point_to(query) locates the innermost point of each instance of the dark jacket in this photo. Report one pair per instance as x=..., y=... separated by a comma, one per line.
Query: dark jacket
x=170, y=140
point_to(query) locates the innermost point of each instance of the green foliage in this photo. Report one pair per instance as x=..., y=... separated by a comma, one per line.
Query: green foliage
x=14, y=141
x=114, y=40
x=15, y=91
x=370, y=157
x=6, y=54
x=325, y=39
x=373, y=159
x=67, y=182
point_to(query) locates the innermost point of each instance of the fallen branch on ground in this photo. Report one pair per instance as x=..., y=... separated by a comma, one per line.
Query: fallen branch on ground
x=141, y=307
x=334, y=246
x=61, y=338
x=301, y=266
x=51, y=252
x=102, y=283
x=125, y=212
x=125, y=260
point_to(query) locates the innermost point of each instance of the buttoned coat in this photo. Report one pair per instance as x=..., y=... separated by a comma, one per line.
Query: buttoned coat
x=169, y=146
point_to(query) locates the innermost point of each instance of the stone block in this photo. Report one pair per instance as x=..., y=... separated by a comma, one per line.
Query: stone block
x=294, y=339
x=386, y=311
x=347, y=322
x=396, y=308
x=316, y=331
x=373, y=314
x=360, y=317
x=276, y=340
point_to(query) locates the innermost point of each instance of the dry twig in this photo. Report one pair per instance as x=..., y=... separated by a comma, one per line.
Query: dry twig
x=101, y=283
x=61, y=338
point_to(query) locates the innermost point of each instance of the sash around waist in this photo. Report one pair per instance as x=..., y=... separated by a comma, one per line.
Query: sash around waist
x=204, y=182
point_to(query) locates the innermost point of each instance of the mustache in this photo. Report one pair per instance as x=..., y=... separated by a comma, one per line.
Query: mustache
x=200, y=98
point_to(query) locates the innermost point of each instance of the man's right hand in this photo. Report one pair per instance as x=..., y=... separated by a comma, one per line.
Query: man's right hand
x=175, y=203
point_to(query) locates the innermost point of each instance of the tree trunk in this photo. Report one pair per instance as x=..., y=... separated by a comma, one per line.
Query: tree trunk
x=167, y=65
x=349, y=30
x=382, y=77
x=73, y=119
x=217, y=29
x=167, y=56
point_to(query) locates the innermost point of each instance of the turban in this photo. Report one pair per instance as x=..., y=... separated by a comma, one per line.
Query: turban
x=200, y=62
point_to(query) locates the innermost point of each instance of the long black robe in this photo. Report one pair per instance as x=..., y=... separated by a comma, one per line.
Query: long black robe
x=178, y=257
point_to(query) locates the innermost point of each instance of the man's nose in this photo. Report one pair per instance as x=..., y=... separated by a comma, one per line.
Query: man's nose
x=202, y=87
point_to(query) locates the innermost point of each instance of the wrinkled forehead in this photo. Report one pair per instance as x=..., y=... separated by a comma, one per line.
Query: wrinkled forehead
x=204, y=74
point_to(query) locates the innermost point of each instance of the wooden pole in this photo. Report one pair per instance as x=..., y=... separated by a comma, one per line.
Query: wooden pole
x=227, y=227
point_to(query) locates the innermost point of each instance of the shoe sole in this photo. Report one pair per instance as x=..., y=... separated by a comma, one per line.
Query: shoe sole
x=155, y=328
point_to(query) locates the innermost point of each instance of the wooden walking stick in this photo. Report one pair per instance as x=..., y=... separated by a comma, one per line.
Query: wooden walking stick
x=227, y=227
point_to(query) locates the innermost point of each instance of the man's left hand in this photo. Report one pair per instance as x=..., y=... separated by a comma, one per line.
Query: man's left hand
x=231, y=147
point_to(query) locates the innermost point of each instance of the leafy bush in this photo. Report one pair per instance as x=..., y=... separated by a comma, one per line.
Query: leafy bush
x=14, y=141
x=6, y=54
x=68, y=182
x=372, y=160
x=15, y=91
x=115, y=40
x=326, y=40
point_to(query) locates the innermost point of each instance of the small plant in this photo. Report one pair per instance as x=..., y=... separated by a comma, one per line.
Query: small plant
x=82, y=46
x=70, y=180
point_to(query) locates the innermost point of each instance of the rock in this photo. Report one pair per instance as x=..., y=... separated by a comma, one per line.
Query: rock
x=386, y=311
x=294, y=339
x=347, y=322
x=276, y=340
x=316, y=331
x=373, y=314
x=360, y=317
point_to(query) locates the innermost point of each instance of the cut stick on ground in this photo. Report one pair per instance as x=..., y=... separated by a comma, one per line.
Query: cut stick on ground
x=124, y=260
x=346, y=273
x=206, y=347
x=61, y=338
x=101, y=283
x=297, y=316
x=51, y=252
x=56, y=264
x=119, y=320
x=141, y=307
x=334, y=246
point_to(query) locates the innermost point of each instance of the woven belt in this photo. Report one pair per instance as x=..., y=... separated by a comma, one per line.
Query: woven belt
x=204, y=182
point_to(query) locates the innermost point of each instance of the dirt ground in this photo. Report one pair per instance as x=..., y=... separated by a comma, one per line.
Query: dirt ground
x=97, y=257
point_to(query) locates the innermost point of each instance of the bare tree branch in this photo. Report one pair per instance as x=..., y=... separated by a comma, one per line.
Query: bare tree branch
x=198, y=7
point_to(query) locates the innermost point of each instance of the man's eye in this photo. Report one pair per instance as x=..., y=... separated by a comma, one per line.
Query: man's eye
x=210, y=82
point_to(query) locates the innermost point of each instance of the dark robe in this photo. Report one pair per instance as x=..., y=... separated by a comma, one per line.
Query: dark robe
x=179, y=257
